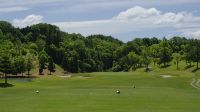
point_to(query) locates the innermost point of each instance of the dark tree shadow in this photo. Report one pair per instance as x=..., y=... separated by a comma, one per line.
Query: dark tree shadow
x=148, y=69
x=195, y=70
x=5, y=85
x=164, y=66
x=188, y=67
x=21, y=76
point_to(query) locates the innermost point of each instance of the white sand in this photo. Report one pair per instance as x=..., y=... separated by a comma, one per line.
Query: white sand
x=166, y=76
x=65, y=76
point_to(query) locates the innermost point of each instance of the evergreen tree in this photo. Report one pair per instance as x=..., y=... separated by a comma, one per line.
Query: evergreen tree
x=133, y=60
x=165, y=52
x=43, y=57
x=5, y=64
x=29, y=64
x=146, y=57
x=51, y=65
x=177, y=58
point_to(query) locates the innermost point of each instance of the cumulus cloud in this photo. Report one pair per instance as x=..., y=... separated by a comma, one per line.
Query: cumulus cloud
x=152, y=15
x=192, y=34
x=136, y=19
x=27, y=21
x=133, y=19
x=12, y=9
x=137, y=13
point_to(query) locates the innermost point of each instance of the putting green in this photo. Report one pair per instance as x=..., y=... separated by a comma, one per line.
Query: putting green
x=96, y=92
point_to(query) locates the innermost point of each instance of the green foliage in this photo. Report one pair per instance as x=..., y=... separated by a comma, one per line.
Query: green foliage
x=43, y=58
x=164, y=53
x=40, y=45
x=19, y=65
x=29, y=63
x=51, y=65
x=5, y=63
x=155, y=53
x=133, y=60
x=177, y=58
x=95, y=53
x=146, y=53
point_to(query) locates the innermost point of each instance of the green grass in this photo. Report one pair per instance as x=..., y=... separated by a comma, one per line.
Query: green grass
x=96, y=93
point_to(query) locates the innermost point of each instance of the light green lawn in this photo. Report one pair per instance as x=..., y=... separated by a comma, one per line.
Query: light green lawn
x=97, y=93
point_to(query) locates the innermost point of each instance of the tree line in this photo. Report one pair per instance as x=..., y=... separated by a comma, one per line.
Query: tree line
x=47, y=44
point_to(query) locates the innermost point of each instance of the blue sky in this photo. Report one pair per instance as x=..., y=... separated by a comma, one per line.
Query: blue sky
x=122, y=19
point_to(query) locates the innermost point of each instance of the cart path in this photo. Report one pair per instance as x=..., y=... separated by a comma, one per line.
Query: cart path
x=195, y=83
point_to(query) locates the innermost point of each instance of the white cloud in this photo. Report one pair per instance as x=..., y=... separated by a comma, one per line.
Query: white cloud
x=152, y=15
x=27, y=21
x=172, y=18
x=137, y=13
x=136, y=19
x=12, y=9
x=133, y=19
x=192, y=34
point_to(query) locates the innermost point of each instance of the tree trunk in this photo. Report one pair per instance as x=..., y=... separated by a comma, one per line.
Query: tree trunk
x=164, y=64
x=5, y=78
x=134, y=67
x=147, y=67
x=28, y=74
x=177, y=65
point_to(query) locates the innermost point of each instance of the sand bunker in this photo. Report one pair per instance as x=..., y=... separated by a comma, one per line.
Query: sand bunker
x=86, y=77
x=65, y=76
x=166, y=76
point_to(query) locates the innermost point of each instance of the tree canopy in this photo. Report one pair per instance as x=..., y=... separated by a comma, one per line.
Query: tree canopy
x=94, y=53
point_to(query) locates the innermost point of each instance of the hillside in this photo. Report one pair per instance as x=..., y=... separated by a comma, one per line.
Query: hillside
x=74, y=53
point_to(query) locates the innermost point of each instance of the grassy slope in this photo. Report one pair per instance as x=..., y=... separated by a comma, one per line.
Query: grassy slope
x=97, y=94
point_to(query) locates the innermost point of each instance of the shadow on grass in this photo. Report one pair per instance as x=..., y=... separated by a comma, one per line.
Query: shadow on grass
x=195, y=70
x=148, y=69
x=5, y=85
x=21, y=77
x=164, y=66
x=188, y=67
